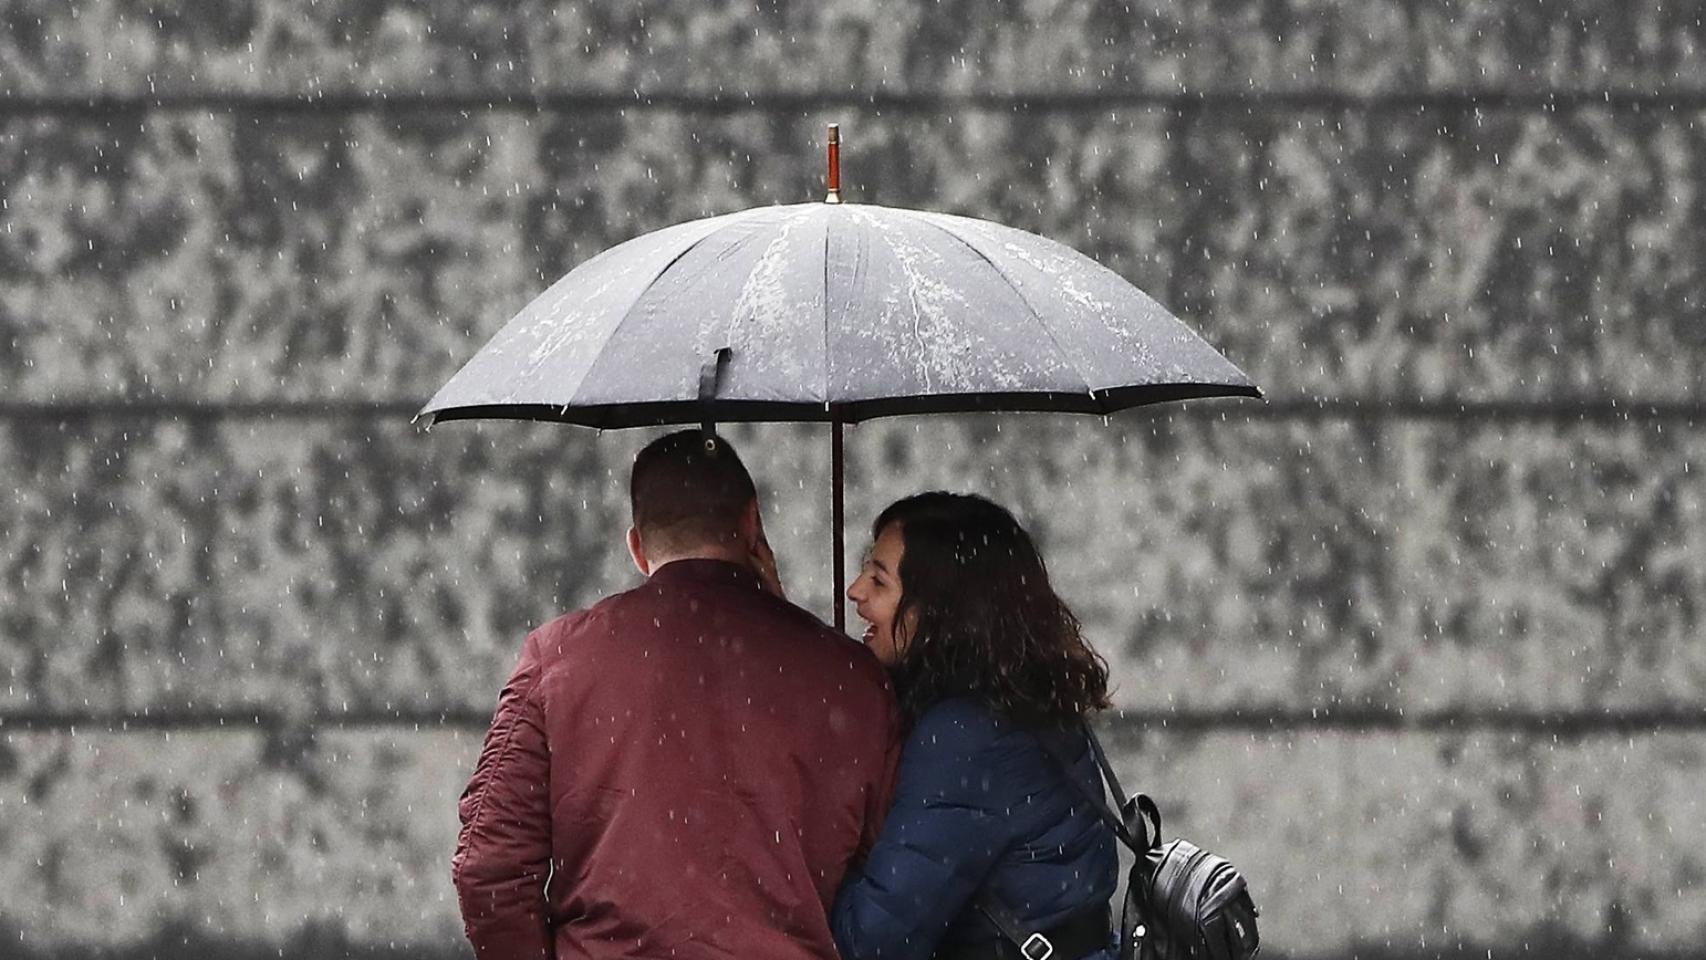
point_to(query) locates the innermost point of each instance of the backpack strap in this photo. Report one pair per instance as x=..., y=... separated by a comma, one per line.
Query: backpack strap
x=1033, y=945
x=1108, y=773
x=1138, y=823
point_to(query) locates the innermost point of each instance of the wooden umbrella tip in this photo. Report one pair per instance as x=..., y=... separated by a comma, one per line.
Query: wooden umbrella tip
x=834, y=195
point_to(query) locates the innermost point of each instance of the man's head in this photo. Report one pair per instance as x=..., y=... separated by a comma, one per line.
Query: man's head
x=690, y=501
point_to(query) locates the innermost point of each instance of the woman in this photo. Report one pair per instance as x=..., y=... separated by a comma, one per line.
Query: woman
x=988, y=663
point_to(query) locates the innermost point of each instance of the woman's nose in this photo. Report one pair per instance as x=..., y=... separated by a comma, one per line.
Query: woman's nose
x=853, y=591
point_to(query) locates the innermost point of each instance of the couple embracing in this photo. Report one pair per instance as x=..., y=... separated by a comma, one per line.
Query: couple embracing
x=696, y=768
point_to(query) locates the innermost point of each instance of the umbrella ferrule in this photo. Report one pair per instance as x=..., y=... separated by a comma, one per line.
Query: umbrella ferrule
x=834, y=195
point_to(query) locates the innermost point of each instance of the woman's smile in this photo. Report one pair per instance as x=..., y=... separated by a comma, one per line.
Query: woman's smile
x=876, y=594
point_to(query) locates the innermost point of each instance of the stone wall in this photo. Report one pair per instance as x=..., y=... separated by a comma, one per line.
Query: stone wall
x=1474, y=493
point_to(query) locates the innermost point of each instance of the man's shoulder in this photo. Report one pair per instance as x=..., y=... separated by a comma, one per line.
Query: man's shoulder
x=792, y=634
x=551, y=635
x=810, y=627
x=786, y=621
x=801, y=630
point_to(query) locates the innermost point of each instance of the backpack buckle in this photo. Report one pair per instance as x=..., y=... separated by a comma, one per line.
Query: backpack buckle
x=1036, y=947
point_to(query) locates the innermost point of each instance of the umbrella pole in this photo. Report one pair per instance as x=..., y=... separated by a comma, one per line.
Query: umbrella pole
x=836, y=588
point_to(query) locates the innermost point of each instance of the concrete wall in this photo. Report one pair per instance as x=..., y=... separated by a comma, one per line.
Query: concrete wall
x=1427, y=665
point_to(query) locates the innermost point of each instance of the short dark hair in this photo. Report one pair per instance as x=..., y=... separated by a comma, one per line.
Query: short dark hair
x=688, y=493
x=988, y=624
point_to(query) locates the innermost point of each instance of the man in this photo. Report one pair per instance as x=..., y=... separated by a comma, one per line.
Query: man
x=683, y=770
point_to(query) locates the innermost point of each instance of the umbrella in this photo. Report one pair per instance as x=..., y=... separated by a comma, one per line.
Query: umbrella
x=833, y=312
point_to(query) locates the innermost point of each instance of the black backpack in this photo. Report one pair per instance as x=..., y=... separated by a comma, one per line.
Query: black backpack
x=1181, y=902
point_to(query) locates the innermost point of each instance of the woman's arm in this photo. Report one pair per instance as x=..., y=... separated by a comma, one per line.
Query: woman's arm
x=944, y=833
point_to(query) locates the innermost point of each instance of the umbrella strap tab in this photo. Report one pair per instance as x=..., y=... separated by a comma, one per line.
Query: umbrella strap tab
x=710, y=378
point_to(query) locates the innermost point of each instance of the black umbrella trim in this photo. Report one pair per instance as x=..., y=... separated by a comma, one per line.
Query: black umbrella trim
x=620, y=415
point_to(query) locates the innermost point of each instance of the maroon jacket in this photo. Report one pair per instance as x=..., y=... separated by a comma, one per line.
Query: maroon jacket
x=681, y=771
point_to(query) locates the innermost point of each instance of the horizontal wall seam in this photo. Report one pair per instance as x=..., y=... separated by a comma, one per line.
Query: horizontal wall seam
x=104, y=106
x=1558, y=724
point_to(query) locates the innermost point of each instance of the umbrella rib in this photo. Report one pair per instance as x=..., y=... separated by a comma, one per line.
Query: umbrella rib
x=826, y=354
x=629, y=312
x=1038, y=317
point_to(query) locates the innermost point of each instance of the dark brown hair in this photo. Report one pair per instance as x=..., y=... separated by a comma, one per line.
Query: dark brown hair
x=685, y=495
x=988, y=624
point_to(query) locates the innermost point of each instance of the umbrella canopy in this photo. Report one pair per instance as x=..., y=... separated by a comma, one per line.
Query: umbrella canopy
x=839, y=312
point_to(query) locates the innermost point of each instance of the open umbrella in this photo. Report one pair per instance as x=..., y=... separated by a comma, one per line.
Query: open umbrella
x=833, y=312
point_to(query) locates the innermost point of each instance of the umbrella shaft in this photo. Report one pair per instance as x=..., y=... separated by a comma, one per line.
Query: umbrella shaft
x=837, y=587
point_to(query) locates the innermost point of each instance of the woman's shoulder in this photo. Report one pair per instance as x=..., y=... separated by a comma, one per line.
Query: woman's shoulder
x=968, y=729
x=962, y=724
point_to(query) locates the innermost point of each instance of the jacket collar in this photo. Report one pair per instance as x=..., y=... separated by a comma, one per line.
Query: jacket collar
x=695, y=570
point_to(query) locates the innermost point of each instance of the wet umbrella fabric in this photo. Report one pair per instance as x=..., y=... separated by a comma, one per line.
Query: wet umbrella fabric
x=838, y=312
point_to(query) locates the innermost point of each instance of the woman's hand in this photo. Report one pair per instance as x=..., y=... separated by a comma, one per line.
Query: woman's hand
x=764, y=564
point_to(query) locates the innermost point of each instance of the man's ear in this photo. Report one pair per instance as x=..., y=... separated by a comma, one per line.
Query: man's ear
x=637, y=550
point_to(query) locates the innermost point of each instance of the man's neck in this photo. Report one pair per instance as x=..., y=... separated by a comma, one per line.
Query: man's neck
x=732, y=555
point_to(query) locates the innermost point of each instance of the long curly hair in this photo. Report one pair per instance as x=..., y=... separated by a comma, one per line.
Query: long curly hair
x=981, y=619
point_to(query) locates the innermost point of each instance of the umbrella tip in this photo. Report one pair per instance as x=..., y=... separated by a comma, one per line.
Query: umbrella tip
x=834, y=195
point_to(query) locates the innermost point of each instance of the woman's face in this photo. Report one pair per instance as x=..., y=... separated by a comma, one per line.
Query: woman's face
x=876, y=595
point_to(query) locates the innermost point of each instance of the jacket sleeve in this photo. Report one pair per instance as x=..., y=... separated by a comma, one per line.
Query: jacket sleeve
x=941, y=839
x=503, y=852
x=880, y=795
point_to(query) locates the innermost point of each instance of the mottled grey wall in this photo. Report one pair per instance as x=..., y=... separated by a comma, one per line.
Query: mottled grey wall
x=1424, y=658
